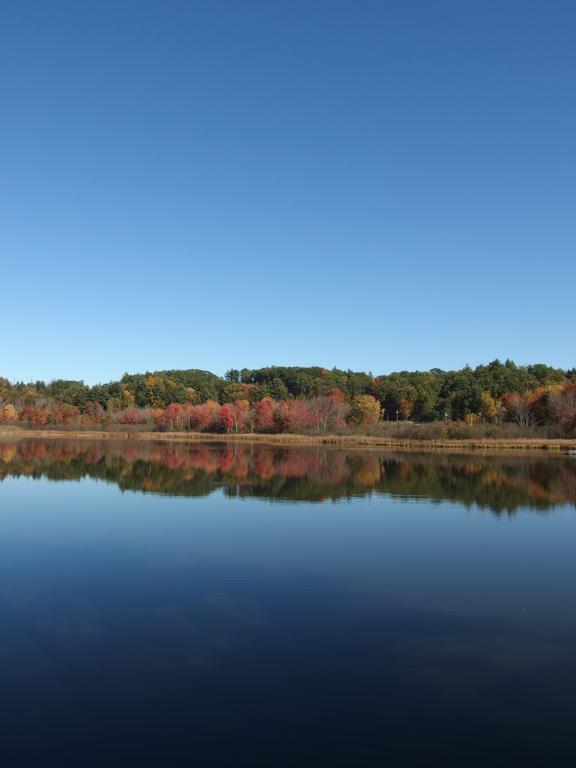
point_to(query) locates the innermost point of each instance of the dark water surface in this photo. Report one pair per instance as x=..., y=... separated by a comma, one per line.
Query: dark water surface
x=207, y=605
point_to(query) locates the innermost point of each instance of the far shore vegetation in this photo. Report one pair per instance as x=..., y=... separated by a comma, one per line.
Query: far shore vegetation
x=422, y=440
x=498, y=402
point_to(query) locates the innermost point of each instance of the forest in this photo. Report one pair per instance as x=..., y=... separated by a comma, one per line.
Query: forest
x=302, y=400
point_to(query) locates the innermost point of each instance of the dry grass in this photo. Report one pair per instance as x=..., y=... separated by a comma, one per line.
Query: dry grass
x=351, y=441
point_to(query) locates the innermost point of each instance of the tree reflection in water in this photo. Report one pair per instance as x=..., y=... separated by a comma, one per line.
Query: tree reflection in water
x=502, y=483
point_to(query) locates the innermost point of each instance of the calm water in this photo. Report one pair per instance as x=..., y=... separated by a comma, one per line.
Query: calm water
x=219, y=606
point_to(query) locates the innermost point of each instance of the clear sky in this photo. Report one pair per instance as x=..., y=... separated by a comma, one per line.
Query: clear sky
x=368, y=184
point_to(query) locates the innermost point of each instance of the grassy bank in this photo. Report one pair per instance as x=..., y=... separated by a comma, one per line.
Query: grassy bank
x=355, y=440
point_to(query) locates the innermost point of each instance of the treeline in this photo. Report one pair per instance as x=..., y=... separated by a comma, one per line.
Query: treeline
x=297, y=399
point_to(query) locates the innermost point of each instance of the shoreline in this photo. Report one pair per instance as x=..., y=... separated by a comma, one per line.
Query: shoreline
x=343, y=441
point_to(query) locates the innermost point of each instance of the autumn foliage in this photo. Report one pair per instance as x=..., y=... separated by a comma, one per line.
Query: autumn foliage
x=300, y=400
x=266, y=416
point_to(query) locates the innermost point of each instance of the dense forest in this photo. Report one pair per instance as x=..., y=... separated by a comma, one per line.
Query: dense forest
x=298, y=399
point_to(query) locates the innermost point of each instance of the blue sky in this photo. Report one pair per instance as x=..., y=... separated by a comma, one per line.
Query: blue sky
x=375, y=185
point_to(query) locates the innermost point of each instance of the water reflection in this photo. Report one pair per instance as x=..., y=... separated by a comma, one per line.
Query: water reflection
x=501, y=483
x=142, y=629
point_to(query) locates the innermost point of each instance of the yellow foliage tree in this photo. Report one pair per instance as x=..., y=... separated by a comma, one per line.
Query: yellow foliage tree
x=9, y=414
x=490, y=407
x=366, y=410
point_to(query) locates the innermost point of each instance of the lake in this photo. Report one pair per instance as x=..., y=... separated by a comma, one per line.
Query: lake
x=220, y=605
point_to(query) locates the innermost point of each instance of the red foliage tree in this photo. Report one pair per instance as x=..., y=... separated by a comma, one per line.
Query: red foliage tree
x=226, y=417
x=264, y=415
